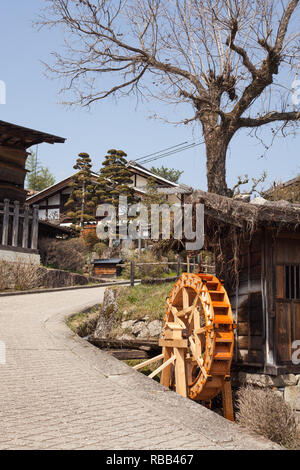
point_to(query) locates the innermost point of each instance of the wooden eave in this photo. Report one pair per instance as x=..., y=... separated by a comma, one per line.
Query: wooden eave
x=20, y=137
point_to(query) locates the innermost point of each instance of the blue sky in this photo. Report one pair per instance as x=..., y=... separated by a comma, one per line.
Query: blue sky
x=33, y=101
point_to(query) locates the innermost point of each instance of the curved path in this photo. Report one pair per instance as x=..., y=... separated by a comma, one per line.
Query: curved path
x=59, y=392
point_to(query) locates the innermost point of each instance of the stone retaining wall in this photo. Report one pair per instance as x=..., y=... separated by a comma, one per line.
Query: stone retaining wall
x=53, y=278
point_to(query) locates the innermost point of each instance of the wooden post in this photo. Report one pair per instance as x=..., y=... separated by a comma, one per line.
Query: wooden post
x=180, y=372
x=165, y=378
x=188, y=264
x=35, y=227
x=178, y=267
x=15, y=232
x=25, y=227
x=227, y=401
x=5, y=222
x=132, y=273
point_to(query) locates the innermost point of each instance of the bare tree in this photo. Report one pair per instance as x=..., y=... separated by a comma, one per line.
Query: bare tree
x=230, y=59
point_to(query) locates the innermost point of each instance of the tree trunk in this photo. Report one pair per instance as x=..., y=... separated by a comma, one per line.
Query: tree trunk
x=216, y=151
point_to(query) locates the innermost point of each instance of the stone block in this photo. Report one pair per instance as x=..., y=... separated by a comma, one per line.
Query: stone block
x=292, y=397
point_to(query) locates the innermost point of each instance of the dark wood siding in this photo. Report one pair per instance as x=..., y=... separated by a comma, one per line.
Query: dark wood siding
x=287, y=258
x=283, y=331
x=250, y=341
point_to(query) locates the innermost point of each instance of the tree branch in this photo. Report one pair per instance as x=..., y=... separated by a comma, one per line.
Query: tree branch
x=239, y=50
x=283, y=26
x=268, y=118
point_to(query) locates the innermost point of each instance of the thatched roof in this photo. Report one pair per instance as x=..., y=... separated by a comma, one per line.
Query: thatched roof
x=289, y=191
x=247, y=216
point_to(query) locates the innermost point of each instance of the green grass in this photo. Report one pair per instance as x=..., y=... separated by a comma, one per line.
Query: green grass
x=84, y=324
x=145, y=370
x=138, y=302
x=144, y=300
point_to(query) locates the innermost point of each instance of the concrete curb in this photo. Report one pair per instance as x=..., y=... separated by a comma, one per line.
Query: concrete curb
x=60, y=289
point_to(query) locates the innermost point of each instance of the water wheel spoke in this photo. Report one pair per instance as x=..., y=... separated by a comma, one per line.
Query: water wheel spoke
x=176, y=317
x=198, y=346
x=185, y=298
x=203, y=330
x=185, y=311
x=197, y=357
x=180, y=322
x=197, y=322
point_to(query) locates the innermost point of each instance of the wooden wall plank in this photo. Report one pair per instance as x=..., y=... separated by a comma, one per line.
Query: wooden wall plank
x=283, y=331
x=287, y=251
x=280, y=282
x=296, y=321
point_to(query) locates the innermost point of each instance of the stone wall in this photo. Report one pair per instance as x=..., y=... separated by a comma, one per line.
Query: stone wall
x=53, y=278
x=114, y=323
x=17, y=256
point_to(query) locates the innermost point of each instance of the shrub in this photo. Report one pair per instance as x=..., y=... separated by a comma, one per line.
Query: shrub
x=63, y=254
x=90, y=239
x=265, y=412
x=99, y=248
x=19, y=275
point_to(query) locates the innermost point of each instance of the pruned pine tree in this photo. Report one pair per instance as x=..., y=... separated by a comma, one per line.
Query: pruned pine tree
x=115, y=179
x=83, y=199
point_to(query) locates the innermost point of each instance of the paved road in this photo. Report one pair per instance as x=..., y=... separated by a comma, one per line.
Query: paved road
x=58, y=392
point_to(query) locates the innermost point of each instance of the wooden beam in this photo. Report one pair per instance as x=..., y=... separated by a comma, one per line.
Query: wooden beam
x=25, y=227
x=5, y=222
x=15, y=232
x=35, y=227
x=165, y=378
x=227, y=401
x=180, y=372
x=160, y=368
x=148, y=362
x=176, y=343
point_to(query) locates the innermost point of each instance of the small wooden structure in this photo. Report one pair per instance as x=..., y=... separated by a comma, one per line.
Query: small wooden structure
x=257, y=252
x=106, y=267
x=197, y=341
x=18, y=222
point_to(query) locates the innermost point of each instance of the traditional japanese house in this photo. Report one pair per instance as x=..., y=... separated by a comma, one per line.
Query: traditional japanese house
x=18, y=222
x=52, y=200
x=257, y=252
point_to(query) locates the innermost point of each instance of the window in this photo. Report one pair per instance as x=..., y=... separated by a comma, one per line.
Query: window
x=292, y=282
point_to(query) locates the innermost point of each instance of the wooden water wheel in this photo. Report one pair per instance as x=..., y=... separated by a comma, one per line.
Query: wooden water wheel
x=197, y=340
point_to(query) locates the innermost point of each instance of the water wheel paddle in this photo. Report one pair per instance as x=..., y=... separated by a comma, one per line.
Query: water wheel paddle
x=197, y=339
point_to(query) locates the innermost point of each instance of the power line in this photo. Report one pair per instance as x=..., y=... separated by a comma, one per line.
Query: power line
x=173, y=152
x=163, y=150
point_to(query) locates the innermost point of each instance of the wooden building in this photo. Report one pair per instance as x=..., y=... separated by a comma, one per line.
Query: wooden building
x=52, y=200
x=18, y=222
x=107, y=267
x=14, y=142
x=257, y=251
